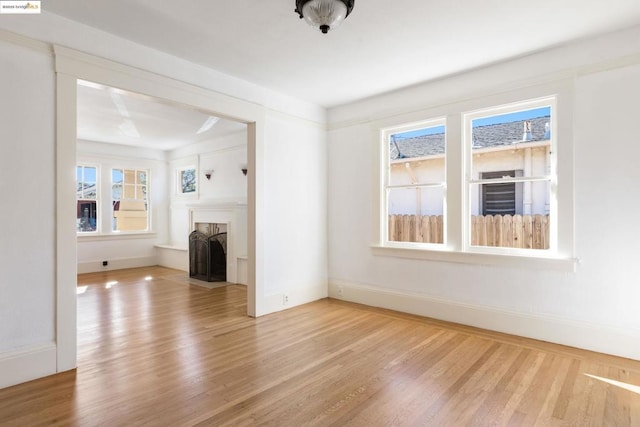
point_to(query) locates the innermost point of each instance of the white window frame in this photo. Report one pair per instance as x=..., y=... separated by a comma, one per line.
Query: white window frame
x=551, y=177
x=97, y=199
x=457, y=228
x=387, y=187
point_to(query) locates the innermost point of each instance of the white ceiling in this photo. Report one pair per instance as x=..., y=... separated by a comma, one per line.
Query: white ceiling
x=116, y=116
x=383, y=45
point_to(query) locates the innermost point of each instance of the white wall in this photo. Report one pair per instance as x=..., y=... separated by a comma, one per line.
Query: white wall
x=296, y=217
x=27, y=194
x=132, y=250
x=28, y=294
x=595, y=307
x=295, y=185
x=27, y=191
x=225, y=156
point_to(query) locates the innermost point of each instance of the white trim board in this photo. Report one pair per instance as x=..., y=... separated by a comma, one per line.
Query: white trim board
x=584, y=335
x=27, y=364
x=276, y=300
x=116, y=264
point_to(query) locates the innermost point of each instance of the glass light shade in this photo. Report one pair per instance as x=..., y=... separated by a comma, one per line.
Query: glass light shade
x=324, y=14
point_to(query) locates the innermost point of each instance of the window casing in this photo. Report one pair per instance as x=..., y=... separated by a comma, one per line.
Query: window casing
x=463, y=195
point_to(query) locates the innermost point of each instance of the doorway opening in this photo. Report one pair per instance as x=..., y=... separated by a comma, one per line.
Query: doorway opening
x=72, y=66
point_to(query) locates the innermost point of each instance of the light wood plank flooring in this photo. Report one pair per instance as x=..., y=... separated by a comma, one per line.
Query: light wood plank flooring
x=161, y=352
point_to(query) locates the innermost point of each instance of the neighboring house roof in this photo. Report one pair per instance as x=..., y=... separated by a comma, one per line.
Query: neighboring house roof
x=501, y=134
x=88, y=193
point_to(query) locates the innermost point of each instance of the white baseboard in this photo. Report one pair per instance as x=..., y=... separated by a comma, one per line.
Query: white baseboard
x=276, y=301
x=116, y=264
x=585, y=335
x=27, y=364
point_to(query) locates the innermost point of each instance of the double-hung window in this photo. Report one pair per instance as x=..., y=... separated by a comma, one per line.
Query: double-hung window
x=479, y=182
x=510, y=177
x=414, y=183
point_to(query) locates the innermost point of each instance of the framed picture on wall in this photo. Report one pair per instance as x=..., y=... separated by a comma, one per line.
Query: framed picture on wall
x=187, y=180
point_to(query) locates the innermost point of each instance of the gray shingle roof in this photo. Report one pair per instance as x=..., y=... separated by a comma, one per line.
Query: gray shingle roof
x=483, y=136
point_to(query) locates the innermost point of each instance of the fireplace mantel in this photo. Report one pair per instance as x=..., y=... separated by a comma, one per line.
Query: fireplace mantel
x=217, y=204
x=220, y=212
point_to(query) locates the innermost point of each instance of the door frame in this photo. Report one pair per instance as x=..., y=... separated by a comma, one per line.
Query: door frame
x=70, y=66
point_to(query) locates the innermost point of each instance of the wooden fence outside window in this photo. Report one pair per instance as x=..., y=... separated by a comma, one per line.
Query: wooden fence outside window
x=507, y=231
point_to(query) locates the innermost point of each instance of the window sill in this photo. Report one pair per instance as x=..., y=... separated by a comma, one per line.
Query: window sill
x=477, y=258
x=115, y=236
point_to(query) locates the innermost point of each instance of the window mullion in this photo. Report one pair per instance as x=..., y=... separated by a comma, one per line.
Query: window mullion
x=454, y=189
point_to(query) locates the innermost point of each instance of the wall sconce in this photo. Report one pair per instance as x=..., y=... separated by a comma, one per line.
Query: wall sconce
x=207, y=174
x=244, y=171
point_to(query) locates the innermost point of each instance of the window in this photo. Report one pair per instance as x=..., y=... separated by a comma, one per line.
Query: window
x=86, y=199
x=187, y=180
x=129, y=198
x=479, y=184
x=509, y=175
x=415, y=183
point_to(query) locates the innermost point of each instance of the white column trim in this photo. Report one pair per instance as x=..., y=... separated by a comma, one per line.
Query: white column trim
x=66, y=242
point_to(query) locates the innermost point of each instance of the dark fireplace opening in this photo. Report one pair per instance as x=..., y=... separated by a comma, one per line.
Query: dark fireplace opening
x=208, y=256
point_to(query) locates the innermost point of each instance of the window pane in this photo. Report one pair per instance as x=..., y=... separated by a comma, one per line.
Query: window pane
x=129, y=191
x=129, y=194
x=90, y=191
x=510, y=215
x=89, y=174
x=117, y=176
x=129, y=176
x=86, y=182
x=140, y=192
x=116, y=191
x=417, y=156
x=416, y=215
x=518, y=141
x=86, y=216
x=86, y=199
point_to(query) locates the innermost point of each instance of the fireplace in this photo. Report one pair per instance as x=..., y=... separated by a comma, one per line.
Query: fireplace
x=212, y=218
x=208, y=253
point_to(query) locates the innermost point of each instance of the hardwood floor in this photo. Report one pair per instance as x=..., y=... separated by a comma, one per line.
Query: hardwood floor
x=161, y=352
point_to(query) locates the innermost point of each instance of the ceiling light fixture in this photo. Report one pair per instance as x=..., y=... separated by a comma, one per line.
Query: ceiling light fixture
x=324, y=14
